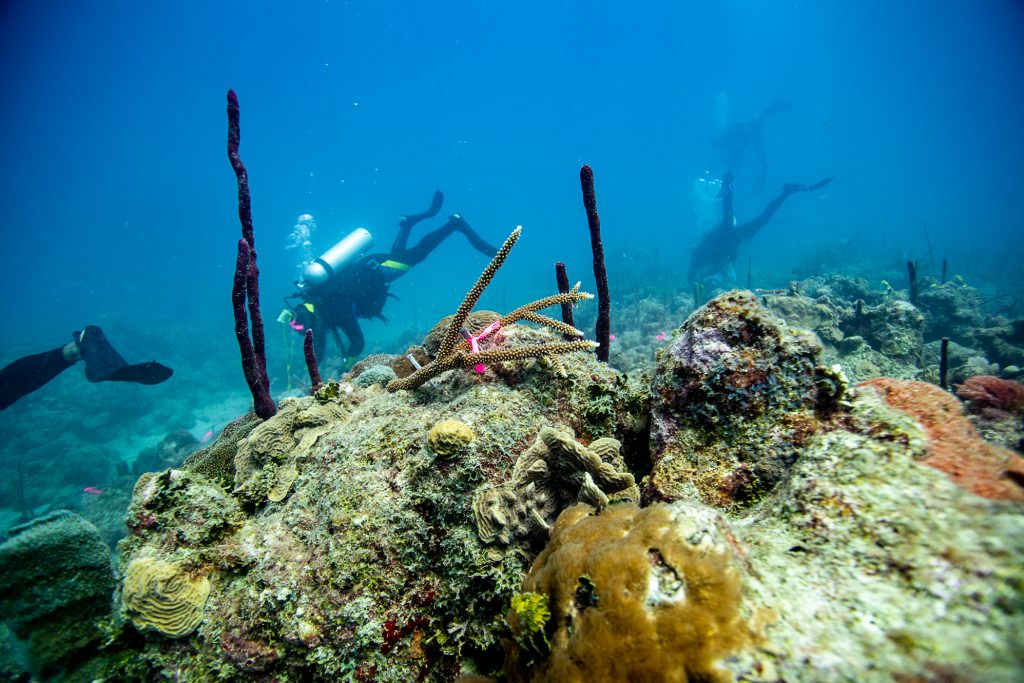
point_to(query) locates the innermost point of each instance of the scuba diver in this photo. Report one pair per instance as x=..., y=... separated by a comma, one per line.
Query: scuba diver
x=343, y=284
x=739, y=135
x=718, y=248
x=102, y=364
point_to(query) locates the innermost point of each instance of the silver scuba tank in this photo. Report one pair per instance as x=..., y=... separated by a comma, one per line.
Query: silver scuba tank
x=321, y=269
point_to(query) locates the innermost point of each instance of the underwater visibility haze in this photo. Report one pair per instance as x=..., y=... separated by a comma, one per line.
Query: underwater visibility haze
x=804, y=435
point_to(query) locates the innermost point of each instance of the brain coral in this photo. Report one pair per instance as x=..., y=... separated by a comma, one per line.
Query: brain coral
x=555, y=472
x=161, y=596
x=448, y=436
x=636, y=594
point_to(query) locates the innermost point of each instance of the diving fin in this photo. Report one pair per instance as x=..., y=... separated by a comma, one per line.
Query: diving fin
x=142, y=373
x=790, y=188
x=435, y=206
x=104, y=364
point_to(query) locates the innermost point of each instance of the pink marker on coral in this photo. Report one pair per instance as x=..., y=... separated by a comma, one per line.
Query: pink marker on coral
x=93, y=490
x=474, y=342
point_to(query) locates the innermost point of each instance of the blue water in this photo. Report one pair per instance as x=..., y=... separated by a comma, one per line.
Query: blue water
x=118, y=202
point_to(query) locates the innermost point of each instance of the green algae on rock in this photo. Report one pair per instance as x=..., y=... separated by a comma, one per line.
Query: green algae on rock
x=55, y=586
x=734, y=397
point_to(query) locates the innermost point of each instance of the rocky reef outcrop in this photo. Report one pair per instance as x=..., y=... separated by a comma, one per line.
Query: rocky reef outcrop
x=745, y=514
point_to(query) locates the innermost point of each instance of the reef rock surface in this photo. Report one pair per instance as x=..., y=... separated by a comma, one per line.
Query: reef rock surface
x=784, y=526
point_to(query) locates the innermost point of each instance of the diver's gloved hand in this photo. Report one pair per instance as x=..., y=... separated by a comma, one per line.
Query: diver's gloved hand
x=104, y=364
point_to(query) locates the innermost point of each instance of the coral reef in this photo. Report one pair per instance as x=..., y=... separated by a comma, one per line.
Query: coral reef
x=55, y=586
x=459, y=348
x=791, y=527
x=555, y=472
x=447, y=437
x=161, y=596
x=635, y=594
x=734, y=397
x=954, y=445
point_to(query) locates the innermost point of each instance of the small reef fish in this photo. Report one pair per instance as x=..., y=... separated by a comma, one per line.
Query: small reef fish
x=661, y=336
x=206, y=436
x=611, y=337
x=93, y=490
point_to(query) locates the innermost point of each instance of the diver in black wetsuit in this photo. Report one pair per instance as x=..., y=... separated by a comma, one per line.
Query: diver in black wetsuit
x=739, y=135
x=102, y=364
x=360, y=289
x=718, y=248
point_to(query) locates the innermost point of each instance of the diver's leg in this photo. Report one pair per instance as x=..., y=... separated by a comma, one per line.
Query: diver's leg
x=350, y=326
x=405, y=223
x=27, y=374
x=477, y=242
x=427, y=244
x=750, y=228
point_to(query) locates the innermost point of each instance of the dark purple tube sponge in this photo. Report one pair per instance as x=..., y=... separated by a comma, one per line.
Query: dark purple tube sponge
x=562, y=280
x=604, y=306
x=311, y=364
x=263, y=404
x=246, y=287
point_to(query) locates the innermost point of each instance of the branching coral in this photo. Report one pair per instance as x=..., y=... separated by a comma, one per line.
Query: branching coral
x=992, y=395
x=455, y=351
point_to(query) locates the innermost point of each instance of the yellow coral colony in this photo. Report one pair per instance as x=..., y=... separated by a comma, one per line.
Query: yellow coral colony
x=448, y=436
x=161, y=596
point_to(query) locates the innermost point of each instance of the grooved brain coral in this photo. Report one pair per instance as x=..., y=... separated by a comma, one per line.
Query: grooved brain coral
x=635, y=594
x=448, y=436
x=161, y=596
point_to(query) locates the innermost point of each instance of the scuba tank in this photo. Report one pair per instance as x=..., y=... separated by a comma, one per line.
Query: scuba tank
x=348, y=249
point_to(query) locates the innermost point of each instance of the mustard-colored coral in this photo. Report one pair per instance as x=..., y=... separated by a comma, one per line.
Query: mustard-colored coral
x=636, y=594
x=448, y=436
x=161, y=596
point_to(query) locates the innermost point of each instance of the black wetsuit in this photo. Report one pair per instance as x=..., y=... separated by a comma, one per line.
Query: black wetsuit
x=718, y=248
x=739, y=135
x=27, y=374
x=102, y=364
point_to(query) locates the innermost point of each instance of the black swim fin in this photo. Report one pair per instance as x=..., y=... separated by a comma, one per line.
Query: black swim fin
x=104, y=364
x=435, y=206
x=142, y=373
x=790, y=188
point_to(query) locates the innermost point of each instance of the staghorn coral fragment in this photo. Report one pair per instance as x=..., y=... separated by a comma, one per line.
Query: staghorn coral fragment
x=554, y=473
x=161, y=596
x=453, y=351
